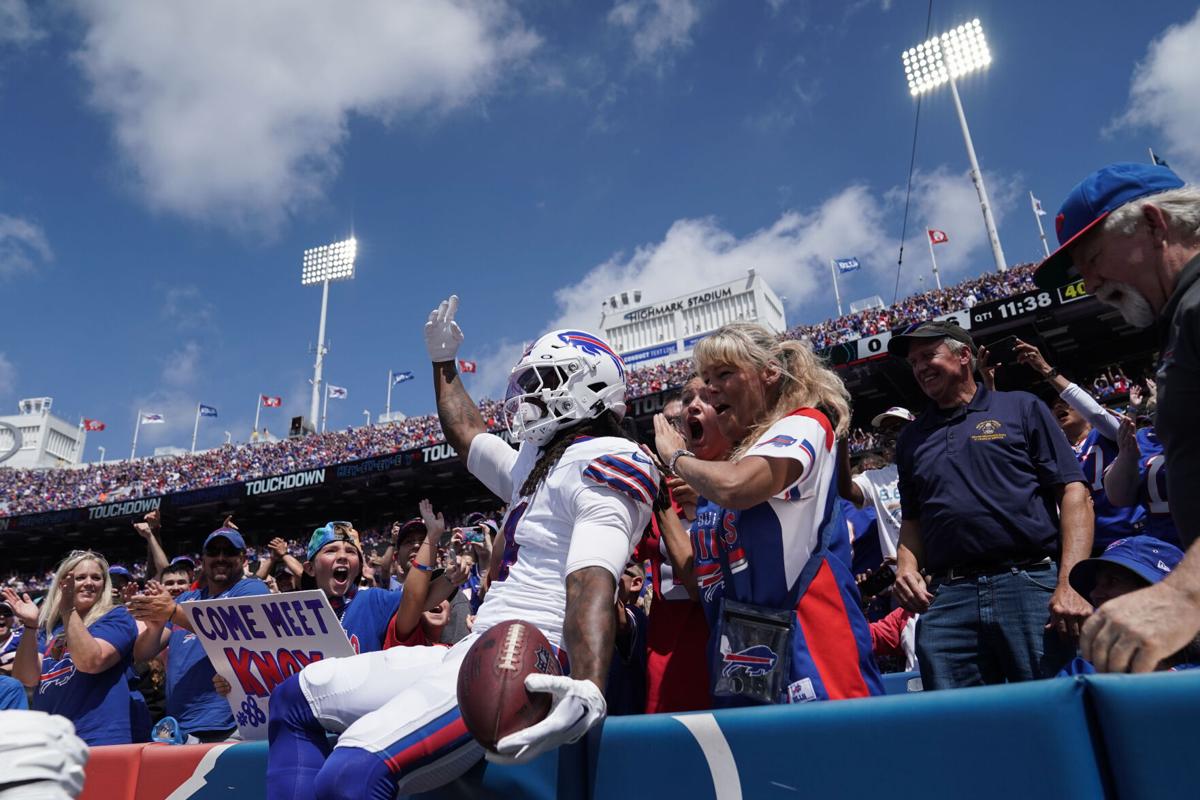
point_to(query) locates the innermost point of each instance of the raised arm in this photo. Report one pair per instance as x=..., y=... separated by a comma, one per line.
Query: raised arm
x=150, y=528
x=847, y=488
x=1121, y=477
x=460, y=417
x=27, y=662
x=416, y=581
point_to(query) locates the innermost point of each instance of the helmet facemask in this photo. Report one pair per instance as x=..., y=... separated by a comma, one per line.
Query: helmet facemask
x=555, y=385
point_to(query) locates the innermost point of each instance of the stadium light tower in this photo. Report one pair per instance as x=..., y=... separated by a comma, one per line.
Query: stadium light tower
x=940, y=60
x=330, y=262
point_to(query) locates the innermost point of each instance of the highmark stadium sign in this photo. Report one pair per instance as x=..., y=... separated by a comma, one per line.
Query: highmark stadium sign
x=678, y=305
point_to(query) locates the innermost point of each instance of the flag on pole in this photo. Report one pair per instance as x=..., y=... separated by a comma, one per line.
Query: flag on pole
x=937, y=237
x=401, y=377
x=153, y=419
x=337, y=392
x=1158, y=160
x=1037, y=207
x=847, y=264
x=92, y=424
x=465, y=366
x=207, y=411
x=271, y=402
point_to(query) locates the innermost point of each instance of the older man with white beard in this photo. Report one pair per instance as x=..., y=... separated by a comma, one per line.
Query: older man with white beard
x=1132, y=232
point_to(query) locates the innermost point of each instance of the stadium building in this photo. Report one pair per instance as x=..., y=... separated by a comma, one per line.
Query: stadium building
x=46, y=440
x=668, y=330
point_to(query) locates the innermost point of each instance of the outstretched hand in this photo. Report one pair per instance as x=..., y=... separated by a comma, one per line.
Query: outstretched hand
x=442, y=334
x=576, y=707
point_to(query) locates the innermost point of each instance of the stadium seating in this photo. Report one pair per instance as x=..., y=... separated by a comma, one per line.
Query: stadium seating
x=1090, y=737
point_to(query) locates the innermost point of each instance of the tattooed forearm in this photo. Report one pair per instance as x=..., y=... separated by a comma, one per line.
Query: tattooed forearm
x=589, y=626
x=460, y=417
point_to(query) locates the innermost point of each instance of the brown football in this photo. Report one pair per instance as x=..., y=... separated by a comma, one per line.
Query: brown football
x=491, y=682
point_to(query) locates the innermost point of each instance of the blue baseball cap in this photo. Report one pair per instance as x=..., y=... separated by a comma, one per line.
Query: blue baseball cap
x=117, y=569
x=177, y=560
x=1097, y=196
x=327, y=535
x=229, y=534
x=1149, y=558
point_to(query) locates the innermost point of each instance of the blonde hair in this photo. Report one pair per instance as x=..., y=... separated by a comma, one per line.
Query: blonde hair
x=51, y=614
x=805, y=382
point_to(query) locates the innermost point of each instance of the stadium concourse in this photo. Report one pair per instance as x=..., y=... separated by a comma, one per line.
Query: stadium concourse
x=376, y=474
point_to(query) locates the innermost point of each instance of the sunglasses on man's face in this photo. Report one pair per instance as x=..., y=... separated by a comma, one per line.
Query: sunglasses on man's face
x=217, y=552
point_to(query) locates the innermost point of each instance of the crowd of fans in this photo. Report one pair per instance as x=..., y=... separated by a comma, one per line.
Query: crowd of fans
x=916, y=308
x=25, y=491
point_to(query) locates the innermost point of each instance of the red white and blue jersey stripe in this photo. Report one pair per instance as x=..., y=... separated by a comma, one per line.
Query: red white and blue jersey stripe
x=792, y=552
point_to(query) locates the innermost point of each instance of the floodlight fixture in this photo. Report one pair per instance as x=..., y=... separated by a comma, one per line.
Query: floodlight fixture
x=951, y=55
x=941, y=60
x=329, y=262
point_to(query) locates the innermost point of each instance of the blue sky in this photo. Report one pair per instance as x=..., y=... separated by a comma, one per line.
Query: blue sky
x=164, y=166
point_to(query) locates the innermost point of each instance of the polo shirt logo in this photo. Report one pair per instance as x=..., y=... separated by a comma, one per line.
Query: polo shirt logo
x=988, y=431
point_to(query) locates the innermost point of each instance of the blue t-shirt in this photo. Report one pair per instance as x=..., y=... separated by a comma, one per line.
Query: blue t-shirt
x=365, y=615
x=12, y=695
x=97, y=704
x=1095, y=453
x=1152, y=488
x=191, y=699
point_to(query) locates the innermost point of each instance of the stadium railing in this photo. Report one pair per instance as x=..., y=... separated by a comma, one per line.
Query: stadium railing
x=1123, y=737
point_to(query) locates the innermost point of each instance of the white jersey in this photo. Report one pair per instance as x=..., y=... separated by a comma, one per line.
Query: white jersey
x=881, y=487
x=590, y=511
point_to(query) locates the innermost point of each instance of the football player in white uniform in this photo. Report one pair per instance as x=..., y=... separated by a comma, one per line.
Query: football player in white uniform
x=580, y=495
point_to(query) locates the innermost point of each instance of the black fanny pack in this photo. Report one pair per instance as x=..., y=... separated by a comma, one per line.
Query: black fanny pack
x=753, y=655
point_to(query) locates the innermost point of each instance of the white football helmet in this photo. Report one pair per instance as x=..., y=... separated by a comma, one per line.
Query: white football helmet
x=564, y=377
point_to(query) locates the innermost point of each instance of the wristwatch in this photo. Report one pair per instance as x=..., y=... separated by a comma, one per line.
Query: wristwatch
x=1051, y=375
x=678, y=454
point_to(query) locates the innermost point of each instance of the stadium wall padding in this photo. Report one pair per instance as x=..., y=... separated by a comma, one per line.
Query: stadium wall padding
x=1097, y=737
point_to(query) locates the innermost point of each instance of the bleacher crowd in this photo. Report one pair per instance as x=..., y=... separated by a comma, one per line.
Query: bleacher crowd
x=26, y=491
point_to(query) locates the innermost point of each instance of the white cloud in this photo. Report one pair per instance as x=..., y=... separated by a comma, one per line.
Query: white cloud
x=1165, y=94
x=948, y=201
x=23, y=245
x=234, y=112
x=657, y=27
x=187, y=307
x=16, y=24
x=792, y=253
x=181, y=367
x=8, y=376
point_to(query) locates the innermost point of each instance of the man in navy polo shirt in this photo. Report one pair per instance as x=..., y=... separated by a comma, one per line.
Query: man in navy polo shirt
x=1132, y=232
x=202, y=714
x=983, y=476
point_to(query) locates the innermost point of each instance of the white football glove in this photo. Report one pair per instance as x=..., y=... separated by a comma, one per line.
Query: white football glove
x=442, y=334
x=42, y=756
x=577, y=706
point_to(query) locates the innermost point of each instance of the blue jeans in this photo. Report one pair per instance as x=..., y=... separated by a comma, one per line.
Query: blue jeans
x=991, y=629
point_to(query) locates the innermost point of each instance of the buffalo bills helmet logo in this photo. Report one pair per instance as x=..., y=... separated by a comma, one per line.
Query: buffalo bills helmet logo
x=755, y=660
x=592, y=345
x=779, y=441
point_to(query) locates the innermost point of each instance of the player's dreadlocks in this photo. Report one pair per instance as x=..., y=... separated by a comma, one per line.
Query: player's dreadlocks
x=606, y=424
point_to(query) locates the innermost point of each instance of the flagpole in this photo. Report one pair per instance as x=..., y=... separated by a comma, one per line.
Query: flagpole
x=196, y=427
x=387, y=413
x=1038, y=218
x=936, y=277
x=836, y=294
x=325, y=408
x=1152, y=159
x=79, y=442
x=136, y=428
x=257, y=411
